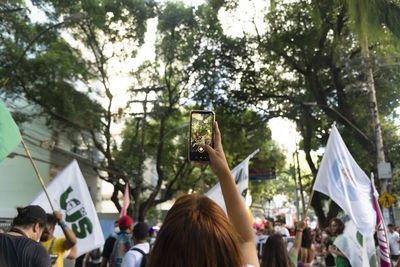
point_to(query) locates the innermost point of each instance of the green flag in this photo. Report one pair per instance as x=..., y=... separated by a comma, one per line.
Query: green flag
x=10, y=136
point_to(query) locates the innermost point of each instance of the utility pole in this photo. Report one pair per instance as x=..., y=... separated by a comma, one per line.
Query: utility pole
x=380, y=154
x=138, y=182
x=300, y=183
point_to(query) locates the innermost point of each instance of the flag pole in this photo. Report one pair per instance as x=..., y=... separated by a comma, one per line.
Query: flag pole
x=37, y=172
x=308, y=205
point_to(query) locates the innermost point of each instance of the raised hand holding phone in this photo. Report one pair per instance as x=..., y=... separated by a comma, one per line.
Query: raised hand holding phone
x=236, y=209
x=201, y=133
x=218, y=163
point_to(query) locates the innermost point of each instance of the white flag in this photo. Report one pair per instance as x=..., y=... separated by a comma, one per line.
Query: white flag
x=70, y=195
x=241, y=175
x=344, y=182
x=359, y=249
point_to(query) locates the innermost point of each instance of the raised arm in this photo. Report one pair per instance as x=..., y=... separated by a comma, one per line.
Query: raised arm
x=73, y=253
x=235, y=207
x=297, y=240
x=68, y=233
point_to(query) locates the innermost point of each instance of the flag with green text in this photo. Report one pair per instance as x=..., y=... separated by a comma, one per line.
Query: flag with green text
x=10, y=136
x=70, y=195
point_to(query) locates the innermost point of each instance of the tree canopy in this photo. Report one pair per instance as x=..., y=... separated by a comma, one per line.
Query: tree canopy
x=303, y=62
x=307, y=66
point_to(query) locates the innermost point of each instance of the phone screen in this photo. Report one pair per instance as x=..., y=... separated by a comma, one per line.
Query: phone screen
x=201, y=133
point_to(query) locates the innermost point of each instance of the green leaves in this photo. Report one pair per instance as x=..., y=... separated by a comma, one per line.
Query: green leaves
x=370, y=17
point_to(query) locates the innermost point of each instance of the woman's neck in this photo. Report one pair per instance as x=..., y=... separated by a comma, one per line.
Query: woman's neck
x=17, y=231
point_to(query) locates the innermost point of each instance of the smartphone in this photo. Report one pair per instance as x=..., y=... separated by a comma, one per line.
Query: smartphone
x=201, y=133
x=53, y=258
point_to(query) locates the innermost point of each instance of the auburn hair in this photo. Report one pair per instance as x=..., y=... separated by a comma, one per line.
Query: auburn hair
x=275, y=253
x=197, y=233
x=339, y=227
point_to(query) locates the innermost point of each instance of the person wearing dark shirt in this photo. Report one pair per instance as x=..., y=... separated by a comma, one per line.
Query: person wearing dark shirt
x=109, y=245
x=20, y=247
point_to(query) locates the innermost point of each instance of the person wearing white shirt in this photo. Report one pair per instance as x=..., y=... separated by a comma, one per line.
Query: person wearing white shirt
x=394, y=239
x=281, y=228
x=261, y=239
x=133, y=257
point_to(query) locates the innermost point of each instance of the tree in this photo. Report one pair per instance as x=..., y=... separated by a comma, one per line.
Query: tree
x=180, y=61
x=178, y=31
x=46, y=76
x=307, y=54
x=49, y=76
x=106, y=24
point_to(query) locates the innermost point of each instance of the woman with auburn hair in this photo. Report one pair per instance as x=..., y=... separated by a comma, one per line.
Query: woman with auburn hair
x=197, y=233
x=275, y=251
x=337, y=228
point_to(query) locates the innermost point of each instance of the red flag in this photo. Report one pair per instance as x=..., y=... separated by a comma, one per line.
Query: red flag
x=125, y=203
x=384, y=252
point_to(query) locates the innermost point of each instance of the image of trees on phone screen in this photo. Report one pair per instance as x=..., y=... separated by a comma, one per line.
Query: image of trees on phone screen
x=201, y=134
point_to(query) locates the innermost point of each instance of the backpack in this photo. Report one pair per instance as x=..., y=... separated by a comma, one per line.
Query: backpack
x=123, y=243
x=95, y=256
x=144, y=258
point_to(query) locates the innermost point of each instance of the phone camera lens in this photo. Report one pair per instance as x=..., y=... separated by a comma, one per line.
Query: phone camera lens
x=200, y=149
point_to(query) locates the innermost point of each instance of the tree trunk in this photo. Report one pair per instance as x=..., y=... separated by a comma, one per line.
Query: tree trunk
x=139, y=178
x=143, y=208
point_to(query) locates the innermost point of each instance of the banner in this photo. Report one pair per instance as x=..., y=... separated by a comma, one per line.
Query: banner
x=384, y=251
x=10, y=136
x=344, y=182
x=126, y=202
x=241, y=175
x=69, y=194
x=359, y=249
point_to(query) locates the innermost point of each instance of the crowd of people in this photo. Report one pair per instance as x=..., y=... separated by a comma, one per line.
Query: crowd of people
x=317, y=245
x=195, y=232
x=316, y=248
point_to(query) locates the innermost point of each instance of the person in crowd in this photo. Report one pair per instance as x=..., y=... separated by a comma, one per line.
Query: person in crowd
x=57, y=246
x=153, y=232
x=109, y=245
x=89, y=259
x=337, y=228
x=139, y=252
x=306, y=252
x=123, y=242
x=261, y=239
x=197, y=232
x=327, y=241
x=79, y=261
x=20, y=247
x=394, y=239
x=318, y=247
x=397, y=229
x=275, y=252
x=280, y=227
x=92, y=258
x=269, y=226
